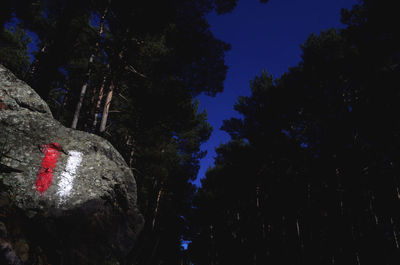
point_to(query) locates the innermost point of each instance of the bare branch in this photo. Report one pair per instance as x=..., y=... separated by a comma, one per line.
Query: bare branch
x=133, y=70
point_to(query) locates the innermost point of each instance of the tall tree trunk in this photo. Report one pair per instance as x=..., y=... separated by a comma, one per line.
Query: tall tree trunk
x=99, y=99
x=130, y=143
x=394, y=232
x=160, y=192
x=299, y=233
x=90, y=66
x=82, y=96
x=106, y=108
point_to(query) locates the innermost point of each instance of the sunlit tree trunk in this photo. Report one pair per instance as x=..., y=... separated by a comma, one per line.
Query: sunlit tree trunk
x=394, y=233
x=106, y=108
x=90, y=66
x=299, y=233
x=99, y=99
x=82, y=96
x=160, y=192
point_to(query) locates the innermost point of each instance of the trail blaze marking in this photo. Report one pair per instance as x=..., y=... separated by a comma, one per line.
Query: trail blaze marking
x=69, y=174
x=45, y=175
x=2, y=103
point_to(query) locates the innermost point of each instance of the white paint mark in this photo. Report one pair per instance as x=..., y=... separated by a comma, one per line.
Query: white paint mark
x=68, y=175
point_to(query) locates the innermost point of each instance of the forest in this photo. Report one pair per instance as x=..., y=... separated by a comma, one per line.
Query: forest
x=310, y=175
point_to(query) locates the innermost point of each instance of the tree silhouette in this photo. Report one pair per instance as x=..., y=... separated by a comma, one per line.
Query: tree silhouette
x=310, y=175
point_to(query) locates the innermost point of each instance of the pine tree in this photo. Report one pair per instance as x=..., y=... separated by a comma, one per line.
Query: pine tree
x=14, y=50
x=309, y=176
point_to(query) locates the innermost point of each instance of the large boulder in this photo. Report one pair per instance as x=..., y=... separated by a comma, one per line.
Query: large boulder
x=66, y=196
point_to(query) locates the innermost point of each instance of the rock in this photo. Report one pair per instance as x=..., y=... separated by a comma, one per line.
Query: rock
x=66, y=192
x=7, y=254
x=22, y=250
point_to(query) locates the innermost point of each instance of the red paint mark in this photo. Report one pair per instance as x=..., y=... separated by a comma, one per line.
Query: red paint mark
x=2, y=103
x=45, y=175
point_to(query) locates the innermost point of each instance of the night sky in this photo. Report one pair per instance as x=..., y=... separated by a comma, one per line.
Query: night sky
x=262, y=36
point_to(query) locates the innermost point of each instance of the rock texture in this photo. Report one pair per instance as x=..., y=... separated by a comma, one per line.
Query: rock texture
x=94, y=221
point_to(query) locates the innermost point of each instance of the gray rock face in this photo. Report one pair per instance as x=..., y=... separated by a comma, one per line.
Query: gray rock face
x=87, y=213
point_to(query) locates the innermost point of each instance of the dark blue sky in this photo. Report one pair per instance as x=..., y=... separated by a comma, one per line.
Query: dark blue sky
x=263, y=36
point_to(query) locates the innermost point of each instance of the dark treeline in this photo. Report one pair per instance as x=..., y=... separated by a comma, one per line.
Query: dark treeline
x=312, y=173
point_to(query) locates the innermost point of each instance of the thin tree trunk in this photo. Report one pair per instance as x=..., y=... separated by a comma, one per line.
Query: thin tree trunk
x=82, y=96
x=160, y=192
x=106, y=108
x=299, y=233
x=130, y=144
x=98, y=103
x=358, y=258
x=394, y=233
x=101, y=91
x=84, y=87
x=131, y=156
x=258, y=197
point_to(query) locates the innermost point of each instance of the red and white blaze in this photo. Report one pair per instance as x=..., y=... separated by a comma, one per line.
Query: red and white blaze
x=45, y=175
x=67, y=177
